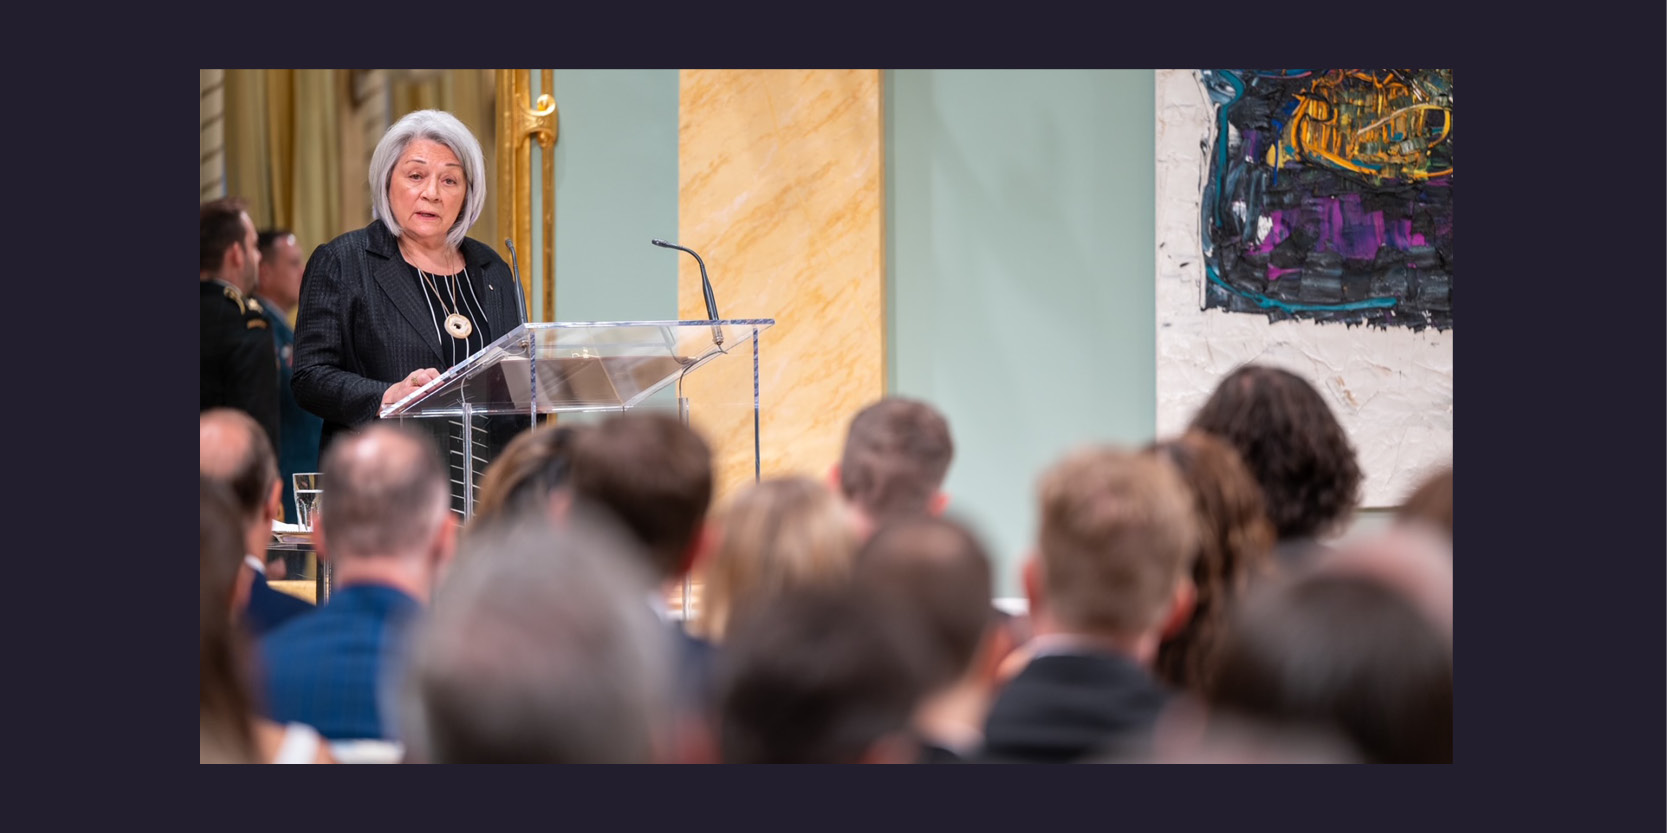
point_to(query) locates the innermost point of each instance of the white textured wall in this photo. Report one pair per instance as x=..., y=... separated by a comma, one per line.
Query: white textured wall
x=1392, y=390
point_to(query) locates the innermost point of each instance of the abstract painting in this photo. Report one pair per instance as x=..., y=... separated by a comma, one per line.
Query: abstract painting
x=1329, y=195
x=1305, y=220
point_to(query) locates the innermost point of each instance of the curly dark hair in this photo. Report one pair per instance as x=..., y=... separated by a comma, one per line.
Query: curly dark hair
x=1292, y=442
x=1235, y=549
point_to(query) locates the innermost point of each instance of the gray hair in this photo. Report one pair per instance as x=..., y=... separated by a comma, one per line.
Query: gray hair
x=540, y=647
x=437, y=126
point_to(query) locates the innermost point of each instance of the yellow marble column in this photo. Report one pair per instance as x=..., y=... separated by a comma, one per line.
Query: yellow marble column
x=781, y=185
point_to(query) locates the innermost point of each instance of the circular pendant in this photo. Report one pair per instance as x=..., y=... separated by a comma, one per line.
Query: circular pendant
x=458, y=326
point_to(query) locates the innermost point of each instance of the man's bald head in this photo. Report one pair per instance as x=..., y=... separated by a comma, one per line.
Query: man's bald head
x=234, y=451
x=384, y=493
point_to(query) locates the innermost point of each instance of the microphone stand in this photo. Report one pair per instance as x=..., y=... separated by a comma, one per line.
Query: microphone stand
x=706, y=287
x=520, y=304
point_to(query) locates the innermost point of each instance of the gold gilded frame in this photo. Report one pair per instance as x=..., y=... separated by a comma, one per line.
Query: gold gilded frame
x=521, y=121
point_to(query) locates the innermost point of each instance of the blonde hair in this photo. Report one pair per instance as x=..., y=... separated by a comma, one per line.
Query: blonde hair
x=777, y=534
x=1117, y=534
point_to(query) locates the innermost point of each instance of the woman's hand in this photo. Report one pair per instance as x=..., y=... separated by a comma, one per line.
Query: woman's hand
x=405, y=387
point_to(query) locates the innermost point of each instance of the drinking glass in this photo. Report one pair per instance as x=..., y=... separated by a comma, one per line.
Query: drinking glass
x=309, y=486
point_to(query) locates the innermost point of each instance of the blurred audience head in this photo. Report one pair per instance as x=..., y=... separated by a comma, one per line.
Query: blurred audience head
x=1292, y=443
x=525, y=478
x=1340, y=652
x=226, y=703
x=1116, y=542
x=770, y=536
x=654, y=474
x=234, y=451
x=820, y=675
x=1188, y=733
x=281, y=267
x=538, y=649
x=939, y=573
x=1235, y=544
x=897, y=453
x=385, y=497
x=1416, y=561
x=1431, y=503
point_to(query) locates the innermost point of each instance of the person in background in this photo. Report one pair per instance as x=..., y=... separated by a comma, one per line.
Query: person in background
x=896, y=455
x=822, y=675
x=528, y=479
x=229, y=728
x=233, y=451
x=1431, y=503
x=939, y=572
x=652, y=474
x=1235, y=548
x=1109, y=578
x=778, y=533
x=537, y=649
x=1340, y=651
x=277, y=294
x=238, y=361
x=385, y=527
x=1298, y=452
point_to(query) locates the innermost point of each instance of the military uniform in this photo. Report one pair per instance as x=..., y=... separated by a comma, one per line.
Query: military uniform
x=238, y=358
x=301, y=428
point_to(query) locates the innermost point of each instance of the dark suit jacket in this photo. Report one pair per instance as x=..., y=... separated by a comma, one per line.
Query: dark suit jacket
x=363, y=325
x=337, y=669
x=1065, y=708
x=238, y=363
x=270, y=608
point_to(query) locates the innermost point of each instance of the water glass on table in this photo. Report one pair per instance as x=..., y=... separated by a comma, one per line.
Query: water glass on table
x=308, y=489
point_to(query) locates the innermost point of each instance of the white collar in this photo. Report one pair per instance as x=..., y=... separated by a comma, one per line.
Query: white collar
x=254, y=563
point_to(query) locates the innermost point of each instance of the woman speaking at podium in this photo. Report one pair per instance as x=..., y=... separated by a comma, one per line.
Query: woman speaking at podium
x=384, y=309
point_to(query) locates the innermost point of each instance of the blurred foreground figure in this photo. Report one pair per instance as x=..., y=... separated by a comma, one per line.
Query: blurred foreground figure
x=652, y=475
x=386, y=528
x=1361, y=646
x=1235, y=544
x=1431, y=502
x=772, y=536
x=1109, y=579
x=821, y=675
x=229, y=729
x=939, y=573
x=539, y=648
x=234, y=452
x=527, y=480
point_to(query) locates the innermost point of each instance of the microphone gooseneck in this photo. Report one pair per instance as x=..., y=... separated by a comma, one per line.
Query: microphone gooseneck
x=705, y=285
x=520, y=304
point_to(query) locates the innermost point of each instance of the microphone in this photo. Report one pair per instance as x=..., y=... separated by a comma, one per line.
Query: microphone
x=520, y=305
x=705, y=285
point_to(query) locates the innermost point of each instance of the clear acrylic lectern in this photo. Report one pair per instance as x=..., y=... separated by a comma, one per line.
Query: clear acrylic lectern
x=547, y=368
